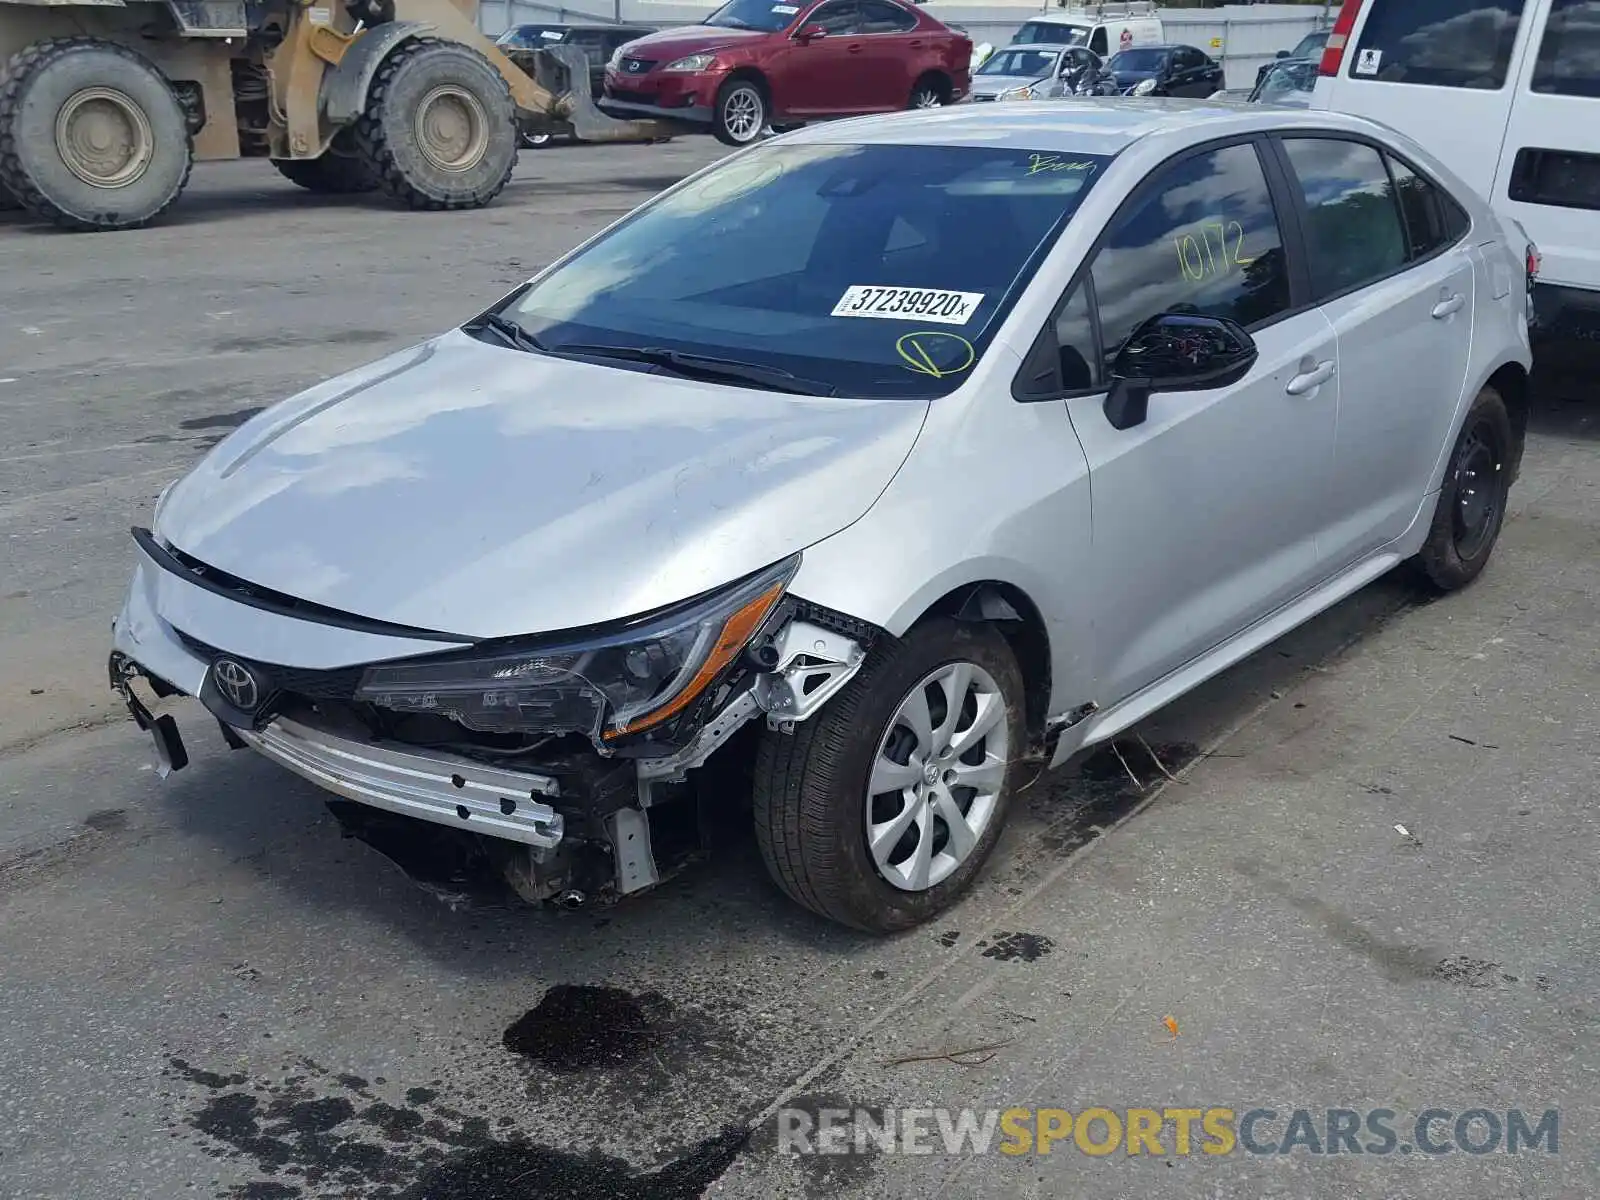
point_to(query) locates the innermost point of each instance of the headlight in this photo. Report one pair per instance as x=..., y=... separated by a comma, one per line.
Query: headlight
x=615, y=61
x=609, y=685
x=695, y=62
x=1021, y=93
x=1144, y=87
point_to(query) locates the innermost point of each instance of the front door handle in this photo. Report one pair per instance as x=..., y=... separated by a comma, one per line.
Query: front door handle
x=1310, y=380
x=1450, y=304
x=854, y=47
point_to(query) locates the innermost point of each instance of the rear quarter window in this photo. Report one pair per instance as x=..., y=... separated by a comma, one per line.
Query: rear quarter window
x=1438, y=43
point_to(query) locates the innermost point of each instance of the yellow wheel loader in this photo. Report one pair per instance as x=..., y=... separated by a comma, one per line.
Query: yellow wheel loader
x=106, y=104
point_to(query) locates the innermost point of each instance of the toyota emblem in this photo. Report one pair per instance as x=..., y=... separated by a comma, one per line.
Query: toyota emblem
x=237, y=683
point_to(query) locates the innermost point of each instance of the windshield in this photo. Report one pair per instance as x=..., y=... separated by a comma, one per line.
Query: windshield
x=874, y=271
x=1020, y=62
x=1309, y=45
x=770, y=15
x=1287, y=83
x=1052, y=33
x=1137, y=62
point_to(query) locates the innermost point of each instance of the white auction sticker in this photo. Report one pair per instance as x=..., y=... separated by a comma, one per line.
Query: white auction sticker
x=1368, y=62
x=908, y=304
x=787, y=10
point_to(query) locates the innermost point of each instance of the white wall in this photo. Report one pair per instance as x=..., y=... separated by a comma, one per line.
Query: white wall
x=1242, y=36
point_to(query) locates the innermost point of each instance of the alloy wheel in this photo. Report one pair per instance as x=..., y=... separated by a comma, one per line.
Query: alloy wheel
x=1479, y=490
x=743, y=115
x=937, y=776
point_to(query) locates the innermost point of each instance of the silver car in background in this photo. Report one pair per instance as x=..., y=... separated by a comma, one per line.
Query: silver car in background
x=1032, y=72
x=799, y=457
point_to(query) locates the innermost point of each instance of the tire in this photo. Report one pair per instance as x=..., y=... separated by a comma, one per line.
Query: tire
x=341, y=171
x=812, y=811
x=92, y=137
x=8, y=202
x=740, y=112
x=1472, y=502
x=928, y=92
x=469, y=161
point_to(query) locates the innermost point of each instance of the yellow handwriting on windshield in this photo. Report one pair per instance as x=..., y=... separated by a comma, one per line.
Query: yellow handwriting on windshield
x=934, y=353
x=1210, y=250
x=1054, y=162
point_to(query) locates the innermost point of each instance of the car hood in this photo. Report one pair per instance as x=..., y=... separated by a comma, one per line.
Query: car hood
x=469, y=489
x=695, y=39
x=1129, y=78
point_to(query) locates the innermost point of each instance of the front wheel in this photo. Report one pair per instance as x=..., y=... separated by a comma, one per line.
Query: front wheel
x=1472, y=502
x=740, y=113
x=439, y=128
x=880, y=811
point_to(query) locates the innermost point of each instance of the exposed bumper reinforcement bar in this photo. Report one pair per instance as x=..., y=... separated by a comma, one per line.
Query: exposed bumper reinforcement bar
x=432, y=787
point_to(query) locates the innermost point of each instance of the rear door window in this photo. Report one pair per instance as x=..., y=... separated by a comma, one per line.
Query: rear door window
x=1353, y=231
x=1569, y=53
x=1442, y=43
x=879, y=16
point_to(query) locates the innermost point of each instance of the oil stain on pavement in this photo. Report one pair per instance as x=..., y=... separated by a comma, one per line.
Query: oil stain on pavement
x=314, y=1133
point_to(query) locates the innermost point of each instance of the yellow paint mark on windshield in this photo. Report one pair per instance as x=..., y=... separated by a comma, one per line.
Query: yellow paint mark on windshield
x=1038, y=163
x=935, y=354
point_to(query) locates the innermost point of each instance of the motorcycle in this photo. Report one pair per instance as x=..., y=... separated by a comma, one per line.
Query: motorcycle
x=1096, y=82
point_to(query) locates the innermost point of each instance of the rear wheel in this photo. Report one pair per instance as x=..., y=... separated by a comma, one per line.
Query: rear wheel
x=439, y=129
x=740, y=112
x=8, y=202
x=929, y=92
x=880, y=810
x=91, y=135
x=339, y=171
x=1472, y=502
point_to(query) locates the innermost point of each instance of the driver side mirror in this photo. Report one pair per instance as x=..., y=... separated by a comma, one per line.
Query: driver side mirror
x=1175, y=352
x=810, y=33
x=1281, y=54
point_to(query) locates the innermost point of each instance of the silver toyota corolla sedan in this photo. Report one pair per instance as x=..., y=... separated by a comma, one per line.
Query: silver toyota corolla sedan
x=901, y=452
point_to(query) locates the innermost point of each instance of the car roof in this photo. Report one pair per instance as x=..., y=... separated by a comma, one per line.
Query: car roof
x=1086, y=19
x=1043, y=47
x=1073, y=125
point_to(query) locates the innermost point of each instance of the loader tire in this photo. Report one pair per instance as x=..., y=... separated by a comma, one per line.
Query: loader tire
x=92, y=136
x=8, y=202
x=341, y=171
x=439, y=128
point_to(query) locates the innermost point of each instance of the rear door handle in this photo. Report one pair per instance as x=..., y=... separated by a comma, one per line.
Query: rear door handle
x=1450, y=304
x=1310, y=380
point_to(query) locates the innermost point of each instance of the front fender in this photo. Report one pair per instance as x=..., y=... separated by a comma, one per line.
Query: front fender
x=344, y=88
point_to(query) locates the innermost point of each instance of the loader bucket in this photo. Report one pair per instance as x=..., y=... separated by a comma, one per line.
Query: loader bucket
x=563, y=72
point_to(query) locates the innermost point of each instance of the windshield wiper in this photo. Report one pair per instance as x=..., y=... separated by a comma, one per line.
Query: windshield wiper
x=508, y=331
x=691, y=365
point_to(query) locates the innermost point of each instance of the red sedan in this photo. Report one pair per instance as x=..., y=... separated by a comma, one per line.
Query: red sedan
x=755, y=63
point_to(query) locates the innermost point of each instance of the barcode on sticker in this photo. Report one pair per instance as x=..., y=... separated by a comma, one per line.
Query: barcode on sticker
x=320, y=16
x=908, y=304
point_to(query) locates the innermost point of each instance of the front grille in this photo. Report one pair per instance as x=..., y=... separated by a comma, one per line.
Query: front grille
x=629, y=97
x=340, y=683
x=637, y=66
x=978, y=96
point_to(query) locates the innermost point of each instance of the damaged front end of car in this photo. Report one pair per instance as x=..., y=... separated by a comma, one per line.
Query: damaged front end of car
x=570, y=761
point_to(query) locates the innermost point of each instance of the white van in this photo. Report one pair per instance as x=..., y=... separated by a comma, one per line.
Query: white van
x=1507, y=93
x=1103, y=28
